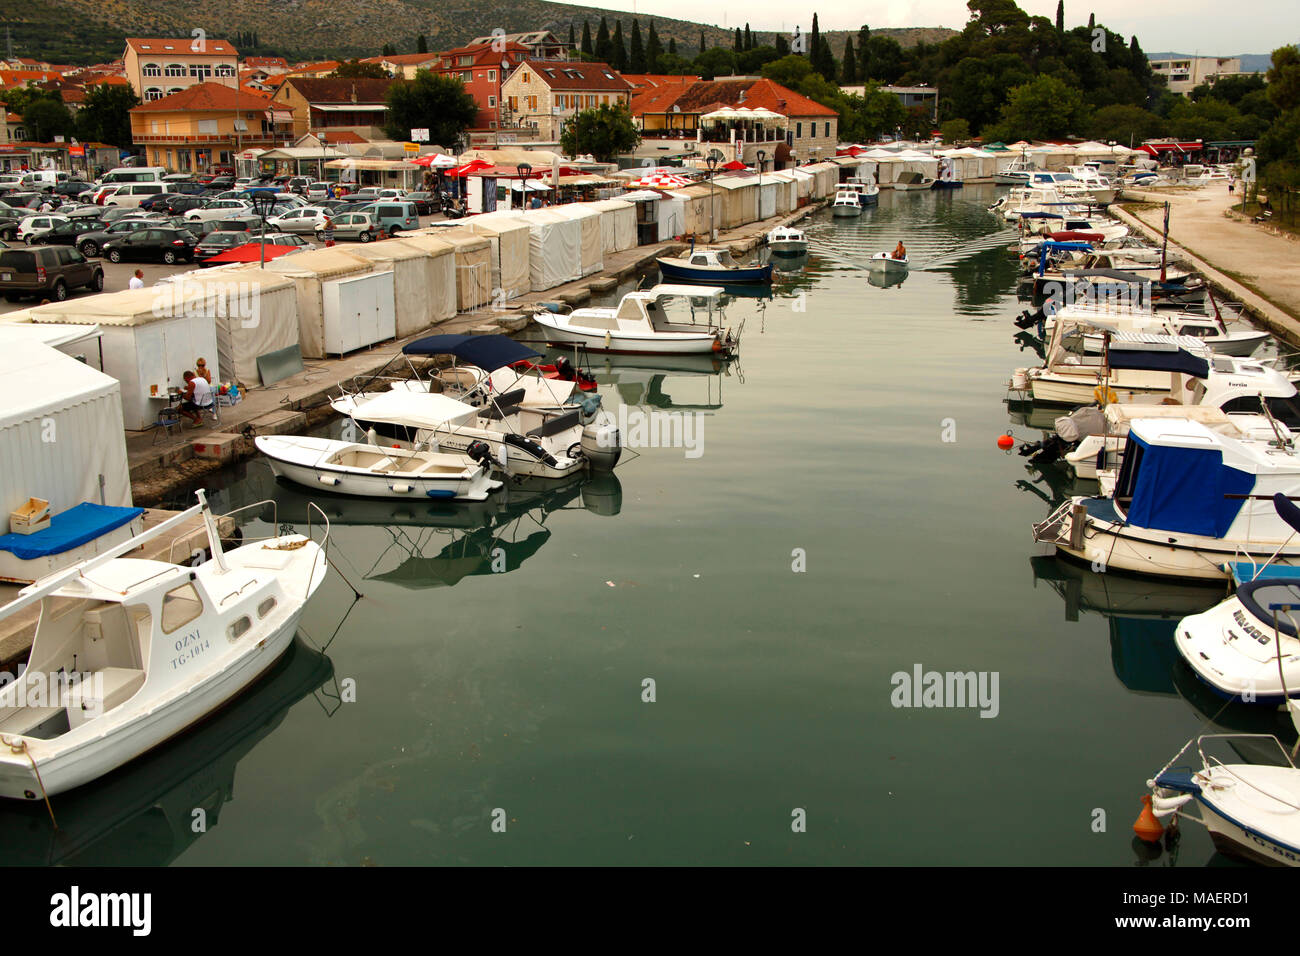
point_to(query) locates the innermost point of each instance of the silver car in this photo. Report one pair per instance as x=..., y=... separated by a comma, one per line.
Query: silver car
x=361, y=226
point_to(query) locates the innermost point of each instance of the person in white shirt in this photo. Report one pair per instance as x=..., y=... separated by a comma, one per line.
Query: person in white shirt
x=137, y=280
x=196, y=399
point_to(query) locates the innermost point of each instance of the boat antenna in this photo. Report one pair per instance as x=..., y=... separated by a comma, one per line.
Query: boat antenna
x=214, y=537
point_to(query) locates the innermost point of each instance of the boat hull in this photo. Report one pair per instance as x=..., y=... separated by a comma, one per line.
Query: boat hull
x=675, y=273
x=378, y=486
x=845, y=212
x=789, y=247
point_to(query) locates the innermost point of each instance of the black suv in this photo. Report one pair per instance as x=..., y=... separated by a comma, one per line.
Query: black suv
x=47, y=271
x=167, y=245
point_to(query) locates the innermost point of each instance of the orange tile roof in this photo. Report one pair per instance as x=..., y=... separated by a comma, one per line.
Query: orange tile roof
x=644, y=80
x=344, y=136
x=707, y=95
x=161, y=46
x=578, y=75
x=205, y=97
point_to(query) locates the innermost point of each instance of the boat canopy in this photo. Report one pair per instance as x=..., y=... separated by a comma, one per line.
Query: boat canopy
x=669, y=291
x=1153, y=352
x=488, y=352
x=1178, y=488
x=413, y=409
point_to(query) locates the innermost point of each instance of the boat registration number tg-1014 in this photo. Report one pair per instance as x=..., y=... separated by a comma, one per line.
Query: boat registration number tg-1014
x=189, y=647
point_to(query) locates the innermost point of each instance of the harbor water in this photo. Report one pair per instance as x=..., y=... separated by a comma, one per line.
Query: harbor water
x=701, y=659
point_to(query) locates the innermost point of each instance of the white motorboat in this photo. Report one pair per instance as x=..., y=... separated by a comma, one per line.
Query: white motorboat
x=368, y=471
x=640, y=324
x=1016, y=174
x=787, y=241
x=1251, y=810
x=846, y=203
x=885, y=263
x=547, y=443
x=1187, y=500
x=868, y=190
x=1239, y=340
x=130, y=652
x=909, y=181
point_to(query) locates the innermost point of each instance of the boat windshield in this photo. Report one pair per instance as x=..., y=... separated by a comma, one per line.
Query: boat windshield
x=1268, y=596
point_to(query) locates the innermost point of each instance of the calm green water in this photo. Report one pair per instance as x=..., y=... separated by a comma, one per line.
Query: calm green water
x=523, y=690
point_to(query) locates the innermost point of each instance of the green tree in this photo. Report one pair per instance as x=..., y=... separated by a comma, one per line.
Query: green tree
x=1043, y=108
x=715, y=62
x=422, y=45
x=1284, y=78
x=877, y=113
x=604, y=132
x=849, y=65
x=654, y=49
x=355, y=69
x=672, y=45
x=388, y=50
x=815, y=42
x=636, y=56
x=1126, y=124
x=586, y=40
x=1060, y=16
x=46, y=117
x=105, y=115
x=749, y=38
x=703, y=45
x=954, y=131
x=618, y=49
x=604, y=50
x=884, y=58
x=782, y=46
x=738, y=42
x=434, y=101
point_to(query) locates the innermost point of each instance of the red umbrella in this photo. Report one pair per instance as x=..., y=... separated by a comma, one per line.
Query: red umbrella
x=734, y=164
x=471, y=167
x=250, y=252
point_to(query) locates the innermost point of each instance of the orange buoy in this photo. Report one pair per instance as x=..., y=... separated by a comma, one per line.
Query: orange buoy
x=1005, y=442
x=1147, y=827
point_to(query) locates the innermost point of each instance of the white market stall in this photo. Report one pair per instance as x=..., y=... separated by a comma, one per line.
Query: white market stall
x=440, y=274
x=740, y=200
x=473, y=255
x=970, y=165
x=891, y=165
x=510, y=240
x=61, y=430
x=412, y=275
x=253, y=311
x=617, y=224
x=588, y=219
x=828, y=178
x=320, y=277
x=148, y=344
x=554, y=250
x=786, y=184
x=82, y=342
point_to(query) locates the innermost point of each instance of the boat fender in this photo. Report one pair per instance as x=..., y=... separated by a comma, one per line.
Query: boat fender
x=328, y=480
x=1105, y=395
x=400, y=489
x=607, y=339
x=530, y=446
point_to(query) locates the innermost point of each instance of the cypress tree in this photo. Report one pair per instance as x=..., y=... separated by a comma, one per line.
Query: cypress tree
x=782, y=46
x=815, y=44
x=749, y=38
x=849, y=71
x=738, y=44
x=422, y=45
x=636, y=56
x=702, y=43
x=1060, y=16
x=603, y=49
x=573, y=43
x=672, y=45
x=1092, y=22
x=586, y=39
x=654, y=49
x=618, y=48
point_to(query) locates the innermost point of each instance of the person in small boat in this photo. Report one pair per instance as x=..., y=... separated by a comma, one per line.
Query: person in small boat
x=900, y=250
x=196, y=398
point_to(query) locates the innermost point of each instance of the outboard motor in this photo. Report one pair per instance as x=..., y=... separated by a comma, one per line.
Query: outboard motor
x=1029, y=319
x=602, y=443
x=564, y=369
x=481, y=452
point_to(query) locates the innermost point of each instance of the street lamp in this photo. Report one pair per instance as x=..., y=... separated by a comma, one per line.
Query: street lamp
x=711, y=161
x=263, y=202
x=525, y=170
x=323, y=143
x=762, y=155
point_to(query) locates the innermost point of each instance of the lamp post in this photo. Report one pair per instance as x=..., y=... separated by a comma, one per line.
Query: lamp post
x=762, y=155
x=525, y=170
x=323, y=144
x=262, y=204
x=711, y=161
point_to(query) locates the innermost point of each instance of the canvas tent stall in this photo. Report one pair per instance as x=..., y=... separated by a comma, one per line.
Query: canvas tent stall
x=81, y=342
x=315, y=276
x=509, y=238
x=1052, y=156
x=554, y=250
x=413, y=274
x=786, y=185
x=701, y=209
x=253, y=312
x=61, y=431
x=617, y=224
x=805, y=183
x=591, y=250
x=890, y=166
x=971, y=165
x=740, y=200
x=439, y=264
x=473, y=253
x=827, y=178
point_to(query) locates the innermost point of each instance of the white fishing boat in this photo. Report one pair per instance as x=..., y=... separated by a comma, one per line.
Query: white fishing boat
x=1016, y=174
x=369, y=471
x=846, y=203
x=885, y=263
x=1187, y=500
x=868, y=190
x=1251, y=810
x=1239, y=340
x=908, y=181
x=129, y=652
x=546, y=443
x=641, y=325
x=787, y=241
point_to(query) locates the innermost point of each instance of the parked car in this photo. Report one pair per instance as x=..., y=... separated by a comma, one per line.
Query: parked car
x=152, y=245
x=393, y=217
x=81, y=210
x=217, y=242
x=317, y=190
x=180, y=205
x=220, y=182
x=26, y=200
x=35, y=226
x=367, y=193
x=218, y=209
x=91, y=243
x=239, y=224
x=68, y=233
x=287, y=239
x=360, y=226
x=158, y=203
x=299, y=184
x=303, y=220
x=426, y=203
x=51, y=271
x=131, y=194
x=73, y=187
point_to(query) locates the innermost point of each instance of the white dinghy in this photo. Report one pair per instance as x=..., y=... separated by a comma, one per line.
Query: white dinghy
x=1251, y=810
x=641, y=325
x=130, y=652
x=884, y=263
x=369, y=471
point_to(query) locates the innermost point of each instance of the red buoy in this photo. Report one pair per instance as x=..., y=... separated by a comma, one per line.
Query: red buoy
x=1005, y=442
x=1147, y=826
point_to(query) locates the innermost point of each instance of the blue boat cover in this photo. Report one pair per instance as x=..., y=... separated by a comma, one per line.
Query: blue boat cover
x=1244, y=571
x=69, y=530
x=1183, y=489
x=488, y=352
x=1041, y=215
x=1150, y=360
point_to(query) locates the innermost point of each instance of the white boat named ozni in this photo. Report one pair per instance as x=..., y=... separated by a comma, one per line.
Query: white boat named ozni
x=369, y=471
x=640, y=324
x=130, y=652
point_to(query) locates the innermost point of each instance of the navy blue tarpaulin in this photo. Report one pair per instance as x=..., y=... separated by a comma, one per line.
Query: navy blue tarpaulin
x=488, y=352
x=1183, y=489
x=1161, y=360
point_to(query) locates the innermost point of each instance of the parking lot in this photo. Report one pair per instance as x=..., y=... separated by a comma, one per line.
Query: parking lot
x=117, y=276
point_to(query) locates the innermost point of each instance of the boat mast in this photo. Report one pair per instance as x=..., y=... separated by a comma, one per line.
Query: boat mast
x=214, y=537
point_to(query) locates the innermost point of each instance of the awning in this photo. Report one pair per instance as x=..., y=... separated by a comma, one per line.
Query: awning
x=532, y=187
x=349, y=108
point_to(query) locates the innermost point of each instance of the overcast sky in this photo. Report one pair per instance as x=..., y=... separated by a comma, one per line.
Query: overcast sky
x=1210, y=27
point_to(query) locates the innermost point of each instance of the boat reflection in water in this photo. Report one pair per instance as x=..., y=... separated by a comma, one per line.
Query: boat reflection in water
x=1056, y=483
x=790, y=263
x=642, y=380
x=144, y=813
x=432, y=545
x=886, y=280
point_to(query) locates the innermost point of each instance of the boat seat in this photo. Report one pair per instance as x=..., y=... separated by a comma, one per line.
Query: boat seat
x=493, y=413
x=557, y=424
x=512, y=397
x=25, y=721
x=87, y=701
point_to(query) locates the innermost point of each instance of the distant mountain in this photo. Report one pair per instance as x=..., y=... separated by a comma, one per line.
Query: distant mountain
x=1250, y=62
x=88, y=31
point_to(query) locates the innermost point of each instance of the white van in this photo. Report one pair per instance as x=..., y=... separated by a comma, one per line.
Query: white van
x=44, y=178
x=134, y=174
x=131, y=194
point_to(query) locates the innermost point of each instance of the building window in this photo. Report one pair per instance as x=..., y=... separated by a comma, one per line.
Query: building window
x=514, y=103
x=175, y=69
x=492, y=125
x=492, y=101
x=466, y=76
x=532, y=103
x=153, y=93
x=828, y=130
x=492, y=76
x=525, y=77
x=200, y=71
x=798, y=130
x=225, y=69
x=152, y=69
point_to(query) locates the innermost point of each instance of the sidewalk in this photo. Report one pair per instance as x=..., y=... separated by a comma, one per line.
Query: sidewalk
x=1250, y=264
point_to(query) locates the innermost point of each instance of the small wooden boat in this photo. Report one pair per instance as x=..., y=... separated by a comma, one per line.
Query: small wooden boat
x=130, y=652
x=369, y=471
x=711, y=267
x=787, y=241
x=885, y=263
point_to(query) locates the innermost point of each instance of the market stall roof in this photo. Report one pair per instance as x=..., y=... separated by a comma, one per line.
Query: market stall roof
x=435, y=161
x=661, y=181
x=743, y=113
x=374, y=165
x=301, y=152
